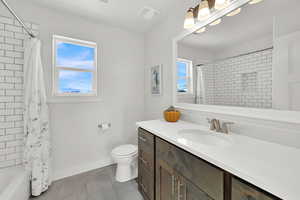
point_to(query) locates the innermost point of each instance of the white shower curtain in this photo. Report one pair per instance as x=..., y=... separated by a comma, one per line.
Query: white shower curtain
x=37, y=152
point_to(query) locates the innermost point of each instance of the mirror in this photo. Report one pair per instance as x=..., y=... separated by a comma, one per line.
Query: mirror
x=251, y=59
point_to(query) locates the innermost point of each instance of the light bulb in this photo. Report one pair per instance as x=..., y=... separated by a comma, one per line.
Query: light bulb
x=204, y=11
x=235, y=12
x=201, y=30
x=189, y=21
x=255, y=1
x=220, y=4
x=218, y=21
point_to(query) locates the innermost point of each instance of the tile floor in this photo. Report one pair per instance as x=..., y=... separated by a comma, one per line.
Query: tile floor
x=94, y=185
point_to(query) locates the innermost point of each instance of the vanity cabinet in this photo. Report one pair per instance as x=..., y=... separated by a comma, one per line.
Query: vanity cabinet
x=146, y=164
x=167, y=172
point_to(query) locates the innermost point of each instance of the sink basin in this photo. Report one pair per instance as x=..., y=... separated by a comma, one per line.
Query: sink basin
x=204, y=137
x=191, y=133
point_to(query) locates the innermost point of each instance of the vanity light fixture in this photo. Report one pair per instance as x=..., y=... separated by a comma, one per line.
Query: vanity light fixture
x=255, y=1
x=220, y=4
x=189, y=21
x=201, y=30
x=218, y=21
x=235, y=12
x=204, y=10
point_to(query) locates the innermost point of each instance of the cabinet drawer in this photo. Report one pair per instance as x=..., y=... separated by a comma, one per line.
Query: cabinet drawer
x=203, y=175
x=146, y=149
x=242, y=191
x=146, y=183
x=145, y=137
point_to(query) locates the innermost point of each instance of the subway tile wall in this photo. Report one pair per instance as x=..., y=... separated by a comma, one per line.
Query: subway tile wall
x=12, y=38
x=241, y=81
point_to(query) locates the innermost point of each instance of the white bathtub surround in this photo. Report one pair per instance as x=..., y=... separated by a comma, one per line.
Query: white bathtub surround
x=11, y=90
x=270, y=166
x=37, y=152
x=244, y=81
x=14, y=184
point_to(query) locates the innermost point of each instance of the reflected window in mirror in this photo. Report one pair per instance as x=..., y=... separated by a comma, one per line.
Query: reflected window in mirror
x=184, y=76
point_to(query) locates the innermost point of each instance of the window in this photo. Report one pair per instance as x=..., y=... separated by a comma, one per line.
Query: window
x=184, y=76
x=75, y=67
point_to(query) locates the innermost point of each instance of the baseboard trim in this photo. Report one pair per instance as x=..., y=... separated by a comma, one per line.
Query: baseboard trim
x=81, y=169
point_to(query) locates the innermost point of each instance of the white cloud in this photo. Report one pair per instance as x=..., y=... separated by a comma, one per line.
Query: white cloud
x=75, y=63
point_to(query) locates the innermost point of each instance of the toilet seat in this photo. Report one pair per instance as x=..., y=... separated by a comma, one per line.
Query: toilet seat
x=126, y=150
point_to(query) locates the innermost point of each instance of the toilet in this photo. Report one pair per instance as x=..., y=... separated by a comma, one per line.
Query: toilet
x=126, y=158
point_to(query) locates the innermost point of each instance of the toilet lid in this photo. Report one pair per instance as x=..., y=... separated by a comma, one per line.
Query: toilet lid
x=124, y=150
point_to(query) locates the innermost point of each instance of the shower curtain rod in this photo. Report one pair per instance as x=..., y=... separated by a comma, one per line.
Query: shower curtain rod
x=243, y=54
x=19, y=20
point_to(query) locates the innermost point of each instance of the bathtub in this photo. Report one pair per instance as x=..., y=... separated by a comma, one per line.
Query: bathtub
x=14, y=184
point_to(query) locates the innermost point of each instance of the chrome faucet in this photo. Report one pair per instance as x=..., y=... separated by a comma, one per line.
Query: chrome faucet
x=215, y=125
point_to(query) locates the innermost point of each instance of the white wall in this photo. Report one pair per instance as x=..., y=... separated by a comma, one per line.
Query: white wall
x=159, y=50
x=77, y=143
x=286, y=73
x=246, y=47
x=198, y=56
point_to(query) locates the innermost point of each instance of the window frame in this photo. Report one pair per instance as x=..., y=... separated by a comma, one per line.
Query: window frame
x=188, y=77
x=56, y=68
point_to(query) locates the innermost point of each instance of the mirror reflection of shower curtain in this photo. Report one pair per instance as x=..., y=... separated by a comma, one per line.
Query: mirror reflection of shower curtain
x=200, y=87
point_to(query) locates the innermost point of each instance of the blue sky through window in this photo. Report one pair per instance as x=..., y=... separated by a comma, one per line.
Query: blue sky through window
x=75, y=82
x=181, y=66
x=181, y=77
x=75, y=56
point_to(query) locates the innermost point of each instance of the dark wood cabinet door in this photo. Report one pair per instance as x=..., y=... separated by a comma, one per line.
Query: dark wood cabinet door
x=186, y=190
x=243, y=191
x=173, y=186
x=203, y=175
x=146, y=183
x=165, y=181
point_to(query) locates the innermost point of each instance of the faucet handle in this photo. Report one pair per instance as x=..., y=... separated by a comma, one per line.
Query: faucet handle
x=225, y=127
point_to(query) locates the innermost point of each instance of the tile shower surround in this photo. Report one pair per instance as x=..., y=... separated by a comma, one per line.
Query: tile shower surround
x=240, y=81
x=12, y=38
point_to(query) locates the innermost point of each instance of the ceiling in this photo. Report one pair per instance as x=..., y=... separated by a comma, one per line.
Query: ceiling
x=255, y=21
x=122, y=13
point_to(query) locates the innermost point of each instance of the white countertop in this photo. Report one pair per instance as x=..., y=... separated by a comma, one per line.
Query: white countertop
x=272, y=167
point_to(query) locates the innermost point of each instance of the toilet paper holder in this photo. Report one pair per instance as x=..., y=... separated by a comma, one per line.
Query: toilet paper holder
x=104, y=126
